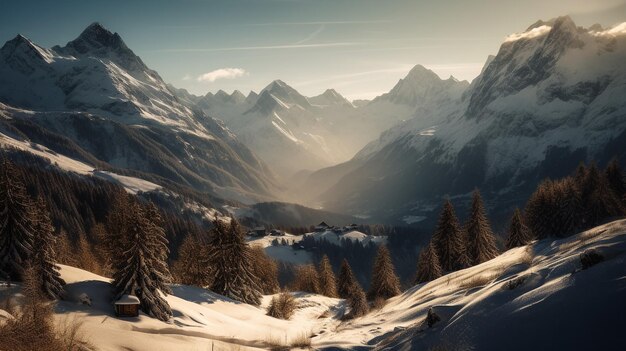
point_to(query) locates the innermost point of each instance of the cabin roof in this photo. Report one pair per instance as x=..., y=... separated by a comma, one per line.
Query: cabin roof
x=127, y=300
x=323, y=224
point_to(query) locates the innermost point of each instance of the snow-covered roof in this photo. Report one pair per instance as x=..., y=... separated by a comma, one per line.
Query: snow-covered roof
x=128, y=300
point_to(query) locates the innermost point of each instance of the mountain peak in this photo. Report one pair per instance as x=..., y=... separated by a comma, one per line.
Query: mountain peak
x=98, y=41
x=329, y=97
x=94, y=37
x=21, y=53
x=421, y=72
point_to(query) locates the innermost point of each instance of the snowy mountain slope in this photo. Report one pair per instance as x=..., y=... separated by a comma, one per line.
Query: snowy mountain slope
x=280, y=125
x=97, y=94
x=529, y=298
x=537, y=297
x=292, y=132
x=202, y=320
x=548, y=100
x=131, y=184
x=414, y=97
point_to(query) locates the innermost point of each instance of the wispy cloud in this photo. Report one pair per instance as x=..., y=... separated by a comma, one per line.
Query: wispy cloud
x=269, y=47
x=312, y=35
x=399, y=69
x=222, y=73
x=315, y=23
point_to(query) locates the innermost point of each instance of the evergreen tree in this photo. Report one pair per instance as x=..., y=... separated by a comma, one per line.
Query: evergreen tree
x=481, y=242
x=450, y=241
x=538, y=206
x=16, y=223
x=44, y=257
x=266, y=270
x=428, y=267
x=306, y=279
x=327, y=278
x=231, y=261
x=385, y=282
x=192, y=266
x=346, y=281
x=139, y=265
x=357, y=301
x=599, y=200
x=159, y=247
x=84, y=256
x=615, y=178
x=63, y=249
x=565, y=215
x=519, y=234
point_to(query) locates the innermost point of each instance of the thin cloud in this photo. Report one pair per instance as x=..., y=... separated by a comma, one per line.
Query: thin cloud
x=222, y=73
x=315, y=23
x=312, y=35
x=400, y=69
x=269, y=47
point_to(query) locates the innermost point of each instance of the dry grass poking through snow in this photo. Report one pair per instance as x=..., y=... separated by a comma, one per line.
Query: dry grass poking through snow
x=303, y=340
x=528, y=256
x=478, y=281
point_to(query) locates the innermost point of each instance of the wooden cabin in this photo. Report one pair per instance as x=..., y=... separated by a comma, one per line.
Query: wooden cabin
x=322, y=227
x=127, y=306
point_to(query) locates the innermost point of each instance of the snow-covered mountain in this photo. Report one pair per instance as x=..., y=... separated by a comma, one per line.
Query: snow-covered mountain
x=289, y=131
x=95, y=95
x=292, y=132
x=553, y=96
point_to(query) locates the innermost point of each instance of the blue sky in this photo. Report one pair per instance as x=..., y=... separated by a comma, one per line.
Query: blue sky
x=359, y=47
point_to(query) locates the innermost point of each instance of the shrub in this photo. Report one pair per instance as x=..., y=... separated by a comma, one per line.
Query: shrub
x=590, y=258
x=282, y=306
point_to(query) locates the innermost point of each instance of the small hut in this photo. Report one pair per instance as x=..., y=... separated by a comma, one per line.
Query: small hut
x=322, y=227
x=127, y=306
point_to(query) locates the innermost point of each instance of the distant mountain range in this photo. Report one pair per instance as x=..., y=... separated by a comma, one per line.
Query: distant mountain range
x=553, y=96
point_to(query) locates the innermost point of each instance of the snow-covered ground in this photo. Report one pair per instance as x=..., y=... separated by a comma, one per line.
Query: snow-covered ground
x=131, y=184
x=529, y=298
x=286, y=253
x=536, y=297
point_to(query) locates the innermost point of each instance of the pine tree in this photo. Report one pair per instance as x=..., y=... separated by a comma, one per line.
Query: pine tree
x=266, y=270
x=385, y=282
x=231, y=261
x=306, y=279
x=519, y=234
x=481, y=241
x=63, y=249
x=615, y=178
x=139, y=267
x=327, y=278
x=428, y=267
x=192, y=266
x=449, y=240
x=565, y=216
x=16, y=223
x=357, y=301
x=44, y=257
x=158, y=244
x=599, y=200
x=84, y=256
x=538, y=206
x=345, y=281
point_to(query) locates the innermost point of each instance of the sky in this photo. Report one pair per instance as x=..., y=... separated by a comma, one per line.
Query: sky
x=361, y=48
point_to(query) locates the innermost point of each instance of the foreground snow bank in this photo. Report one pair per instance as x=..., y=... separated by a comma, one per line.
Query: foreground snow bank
x=201, y=319
x=537, y=297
